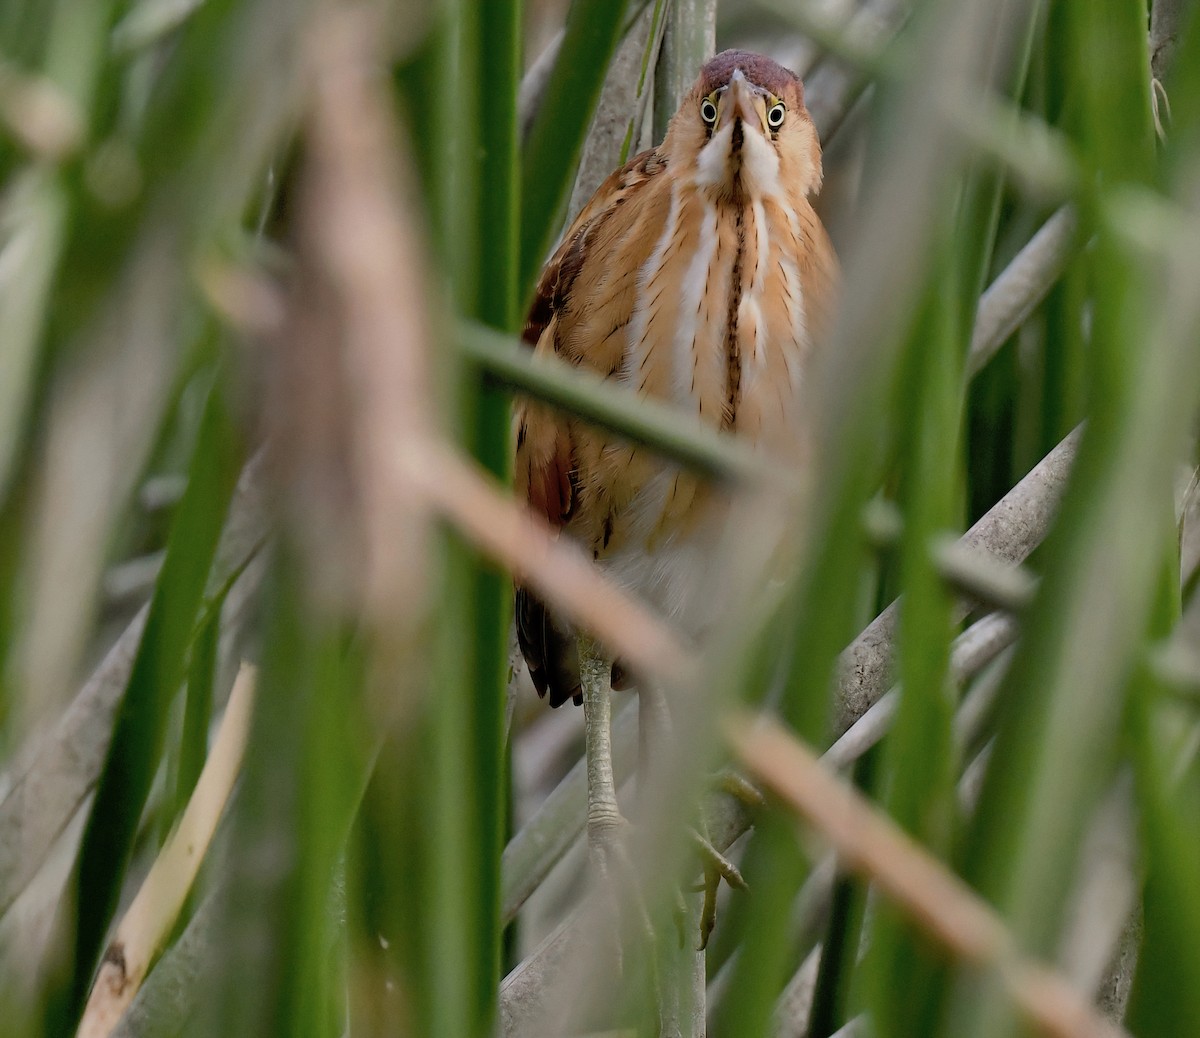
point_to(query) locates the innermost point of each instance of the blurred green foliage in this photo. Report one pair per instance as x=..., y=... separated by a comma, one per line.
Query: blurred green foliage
x=150, y=154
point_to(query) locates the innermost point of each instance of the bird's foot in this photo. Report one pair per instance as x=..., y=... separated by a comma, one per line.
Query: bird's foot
x=740, y=788
x=716, y=867
x=617, y=876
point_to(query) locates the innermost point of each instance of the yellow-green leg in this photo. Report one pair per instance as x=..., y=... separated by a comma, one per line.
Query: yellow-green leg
x=604, y=819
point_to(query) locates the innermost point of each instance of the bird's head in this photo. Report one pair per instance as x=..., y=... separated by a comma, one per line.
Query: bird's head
x=743, y=130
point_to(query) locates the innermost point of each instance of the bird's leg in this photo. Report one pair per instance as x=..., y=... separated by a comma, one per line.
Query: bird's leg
x=606, y=825
x=716, y=867
x=604, y=818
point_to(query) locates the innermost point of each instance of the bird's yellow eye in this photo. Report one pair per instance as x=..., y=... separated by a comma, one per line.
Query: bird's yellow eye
x=775, y=115
x=708, y=112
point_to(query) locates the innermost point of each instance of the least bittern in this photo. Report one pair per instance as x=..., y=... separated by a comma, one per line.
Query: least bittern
x=698, y=274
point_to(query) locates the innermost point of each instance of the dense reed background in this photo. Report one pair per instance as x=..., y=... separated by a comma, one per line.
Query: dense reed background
x=268, y=764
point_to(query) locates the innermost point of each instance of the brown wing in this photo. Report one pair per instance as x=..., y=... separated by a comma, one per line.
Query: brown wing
x=545, y=472
x=559, y=274
x=819, y=274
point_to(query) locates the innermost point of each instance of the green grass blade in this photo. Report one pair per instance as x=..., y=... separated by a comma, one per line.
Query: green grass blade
x=1166, y=993
x=919, y=756
x=497, y=37
x=307, y=757
x=593, y=28
x=24, y=295
x=1061, y=729
x=157, y=670
x=860, y=370
x=497, y=81
x=662, y=427
x=197, y=714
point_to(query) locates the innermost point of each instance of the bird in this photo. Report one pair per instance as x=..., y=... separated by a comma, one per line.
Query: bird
x=699, y=274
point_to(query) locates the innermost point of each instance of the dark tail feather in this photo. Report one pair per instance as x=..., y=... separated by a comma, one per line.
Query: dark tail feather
x=549, y=649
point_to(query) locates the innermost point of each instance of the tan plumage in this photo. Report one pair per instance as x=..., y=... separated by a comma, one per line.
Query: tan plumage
x=699, y=274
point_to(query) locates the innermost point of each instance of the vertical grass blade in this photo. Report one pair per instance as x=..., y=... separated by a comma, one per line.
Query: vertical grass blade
x=197, y=713
x=919, y=758
x=856, y=374
x=355, y=886
x=593, y=28
x=1166, y=992
x=281, y=909
x=157, y=671
x=495, y=49
x=1065, y=701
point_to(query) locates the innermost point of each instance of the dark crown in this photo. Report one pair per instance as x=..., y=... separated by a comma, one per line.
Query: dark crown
x=757, y=68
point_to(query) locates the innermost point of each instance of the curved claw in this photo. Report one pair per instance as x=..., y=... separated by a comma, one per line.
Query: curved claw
x=740, y=788
x=716, y=862
x=717, y=867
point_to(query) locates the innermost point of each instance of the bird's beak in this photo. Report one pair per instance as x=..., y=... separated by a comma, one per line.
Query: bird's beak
x=743, y=101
